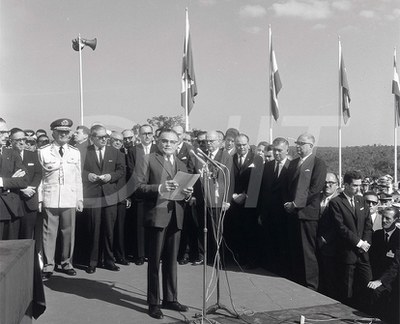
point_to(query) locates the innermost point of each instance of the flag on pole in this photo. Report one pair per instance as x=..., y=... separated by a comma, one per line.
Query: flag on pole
x=189, y=87
x=275, y=84
x=396, y=89
x=345, y=89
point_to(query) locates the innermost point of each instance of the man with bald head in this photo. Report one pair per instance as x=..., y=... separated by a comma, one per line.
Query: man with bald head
x=306, y=179
x=221, y=183
x=326, y=238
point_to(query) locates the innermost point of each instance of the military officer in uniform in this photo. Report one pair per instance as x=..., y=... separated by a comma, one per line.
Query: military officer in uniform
x=60, y=196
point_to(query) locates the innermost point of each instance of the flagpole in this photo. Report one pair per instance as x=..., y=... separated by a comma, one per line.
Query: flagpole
x=395, y=133
x=270, y=72
x=80, y=78
x=340, y=116
x=186, y=76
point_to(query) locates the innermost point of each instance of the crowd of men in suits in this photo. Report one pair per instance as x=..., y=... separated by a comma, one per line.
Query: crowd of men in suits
x=99, y=198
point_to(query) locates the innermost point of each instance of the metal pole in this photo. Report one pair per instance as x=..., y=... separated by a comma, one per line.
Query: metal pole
x=270, y=71
x=340, y=117
x=395, y=132
x=80, y=78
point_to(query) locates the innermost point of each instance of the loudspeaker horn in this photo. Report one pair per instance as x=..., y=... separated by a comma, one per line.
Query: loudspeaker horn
x=92, y=43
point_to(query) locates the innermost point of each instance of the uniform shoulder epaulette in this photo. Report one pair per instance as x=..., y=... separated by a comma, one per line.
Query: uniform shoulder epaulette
x=69, y=145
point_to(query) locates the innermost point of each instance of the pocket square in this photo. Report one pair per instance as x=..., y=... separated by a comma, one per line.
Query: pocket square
x=110, y=161
x=362, y=208
x=252, y=165
x=30, y=164
x=307, y=170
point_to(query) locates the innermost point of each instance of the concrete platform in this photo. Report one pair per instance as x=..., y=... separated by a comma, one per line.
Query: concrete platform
x=120, y=298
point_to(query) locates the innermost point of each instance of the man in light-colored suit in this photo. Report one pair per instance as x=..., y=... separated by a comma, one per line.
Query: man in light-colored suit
x=306, y=178
x=60, y=194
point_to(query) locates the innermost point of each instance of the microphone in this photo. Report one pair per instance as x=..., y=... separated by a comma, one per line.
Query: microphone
x=197, y=157
x=201, y=153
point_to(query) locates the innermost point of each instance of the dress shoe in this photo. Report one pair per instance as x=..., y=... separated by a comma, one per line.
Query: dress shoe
x=139, y=261
x=69, y=272
x=176, y=306
x=90, y=270
x=183, y=261
x=197, y=261
x=46, y=274
x=155, y=312
x=111, y=267
x=122, y=261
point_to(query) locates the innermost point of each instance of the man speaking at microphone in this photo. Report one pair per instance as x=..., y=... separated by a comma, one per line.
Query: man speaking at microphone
x=163, y=221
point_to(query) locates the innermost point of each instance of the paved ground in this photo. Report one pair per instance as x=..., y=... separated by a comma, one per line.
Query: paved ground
x=120, y=297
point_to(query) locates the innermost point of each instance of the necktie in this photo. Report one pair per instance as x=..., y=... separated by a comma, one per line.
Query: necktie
x=276, y=172
x=61, y=151
x=100, y=157
x=387, y=237
x=352, y=202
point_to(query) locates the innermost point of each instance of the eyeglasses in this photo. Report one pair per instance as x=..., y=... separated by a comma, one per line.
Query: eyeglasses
x=165, y=141
x=330, y=183
x=128, y=138
x=147, y=134
x=104, y=137
x=211, y=141
x=301, y=143
x=19, y=139
x=373, y=203
x=202, y=142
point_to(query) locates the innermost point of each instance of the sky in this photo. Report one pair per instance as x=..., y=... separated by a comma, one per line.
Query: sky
x=135, y=71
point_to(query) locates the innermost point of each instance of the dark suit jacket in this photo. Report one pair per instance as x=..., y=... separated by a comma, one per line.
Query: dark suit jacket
x=34, y=170
x=218, y=184
x=351, y=226
x=304, y=186
x=149, y=174
x=113, y=164
x=10, y=202
x=326, y=229
x=82, y=147
x=272, y=191
x=391, y=275
x=136, y=153
x=185, y=157
x=247, y=177
x=382, y=253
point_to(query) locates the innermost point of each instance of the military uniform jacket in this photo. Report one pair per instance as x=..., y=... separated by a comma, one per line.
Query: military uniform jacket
x=61, y=185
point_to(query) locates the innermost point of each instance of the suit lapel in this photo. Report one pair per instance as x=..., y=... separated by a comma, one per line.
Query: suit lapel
x=347, y=204
x=163, y=163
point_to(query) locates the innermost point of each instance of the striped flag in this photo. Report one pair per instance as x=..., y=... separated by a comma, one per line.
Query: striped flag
x=189, y=87
x=275, y=84
x=345, y=88
x=396, y=89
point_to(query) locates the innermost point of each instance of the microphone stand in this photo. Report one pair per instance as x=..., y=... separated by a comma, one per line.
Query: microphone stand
x=212, y=309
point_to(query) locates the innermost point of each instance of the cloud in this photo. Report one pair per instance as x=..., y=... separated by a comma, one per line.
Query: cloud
x=308, y=9
x=207, y=2
x=395, y=15
x=319, y=26
x=250, y=11
x=253, y=29
x=344, y=5
x=367, y=13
